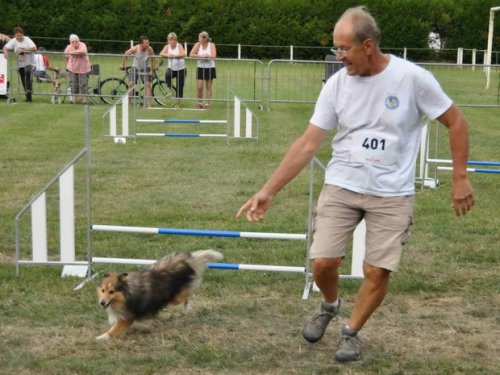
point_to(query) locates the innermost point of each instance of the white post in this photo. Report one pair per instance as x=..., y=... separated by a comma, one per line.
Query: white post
x=248, y=123
x=237, y=117
x=405, y=53
x=112, y=121
x=39, y=229
x=460, y=56
x=3, y=75
x=291, y=53
x=474, y=59
x=125, y=115
x=358, y=249
x=239, y=51
x=487, y=61
x=67, y=215
x=131, y=43
x=423, y=154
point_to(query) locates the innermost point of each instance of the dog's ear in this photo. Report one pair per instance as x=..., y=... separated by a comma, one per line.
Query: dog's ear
x=121, y=281
x=106, y=274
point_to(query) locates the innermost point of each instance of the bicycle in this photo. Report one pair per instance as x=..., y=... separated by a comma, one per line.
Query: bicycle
x=111, y=89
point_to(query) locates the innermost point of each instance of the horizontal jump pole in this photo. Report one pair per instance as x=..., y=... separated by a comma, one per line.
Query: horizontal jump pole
x=184, y=121
x=192, y=135
x=470, y=162
x=198, y=232
x=476, y=170
x=52, y=263
x=220, y=266
x=255, y=267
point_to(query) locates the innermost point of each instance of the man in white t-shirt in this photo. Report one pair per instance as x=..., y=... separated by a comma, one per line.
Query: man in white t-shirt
x=24, y=49
x=376, y=104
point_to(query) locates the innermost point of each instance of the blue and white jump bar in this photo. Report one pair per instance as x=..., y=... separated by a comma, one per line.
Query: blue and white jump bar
x=198, y=232
x=475, y=170
x=470, y=162
x=220, y=266
x=184, y=121
x=192, y=135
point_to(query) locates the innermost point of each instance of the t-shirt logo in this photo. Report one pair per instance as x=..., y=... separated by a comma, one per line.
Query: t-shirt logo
x=392, y=102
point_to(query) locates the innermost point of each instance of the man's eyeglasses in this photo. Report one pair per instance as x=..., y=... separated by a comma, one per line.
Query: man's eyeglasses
x=342, y=51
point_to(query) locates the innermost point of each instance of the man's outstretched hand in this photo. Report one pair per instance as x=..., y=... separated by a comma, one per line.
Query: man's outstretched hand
x=256, y=207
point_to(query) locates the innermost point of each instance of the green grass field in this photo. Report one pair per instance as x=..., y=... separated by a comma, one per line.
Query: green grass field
x=440, y=317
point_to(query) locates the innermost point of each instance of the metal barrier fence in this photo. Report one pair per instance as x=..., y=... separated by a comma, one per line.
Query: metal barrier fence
x=466, y=84
x=246, y=78
x=299, y=52
x=282, y=81
x=295, y=81
x=301, y=82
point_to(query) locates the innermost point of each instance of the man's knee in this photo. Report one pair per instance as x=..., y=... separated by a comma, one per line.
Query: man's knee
x=325, y=265
x=375, y=274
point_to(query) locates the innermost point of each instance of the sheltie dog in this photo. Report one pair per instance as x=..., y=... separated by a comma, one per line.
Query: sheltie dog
x=127, y=297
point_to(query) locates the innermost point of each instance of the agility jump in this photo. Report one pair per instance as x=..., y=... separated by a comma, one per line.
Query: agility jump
x=83, y=267
x=122, y=105
x=426, y=161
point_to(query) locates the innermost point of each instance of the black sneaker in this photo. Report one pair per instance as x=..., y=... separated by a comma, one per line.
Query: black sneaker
x=315, y=327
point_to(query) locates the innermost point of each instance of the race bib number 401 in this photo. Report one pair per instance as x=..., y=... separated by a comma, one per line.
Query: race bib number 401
x=375, y=149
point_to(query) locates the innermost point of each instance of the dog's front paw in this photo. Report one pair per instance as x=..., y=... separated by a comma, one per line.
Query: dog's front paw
x=104, y=336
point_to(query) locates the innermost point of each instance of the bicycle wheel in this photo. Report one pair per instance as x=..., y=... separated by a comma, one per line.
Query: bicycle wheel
x=161, y=92
x=112, y=89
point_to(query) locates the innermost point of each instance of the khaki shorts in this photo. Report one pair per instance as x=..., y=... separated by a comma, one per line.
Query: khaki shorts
x=388, y=222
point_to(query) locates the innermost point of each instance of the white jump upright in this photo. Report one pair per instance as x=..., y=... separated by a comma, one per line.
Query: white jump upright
x=237, y=120
x=39, y=235
x=358, y=250
x=122, y=106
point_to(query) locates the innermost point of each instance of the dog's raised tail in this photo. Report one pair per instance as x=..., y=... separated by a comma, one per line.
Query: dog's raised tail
x=206, y=256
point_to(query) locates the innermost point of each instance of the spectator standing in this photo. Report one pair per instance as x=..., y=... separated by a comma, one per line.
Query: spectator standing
x=175, y=53
x=24, y=49
x=3, y=40
x=206, y=52
x=142, y=66
x=78, y=67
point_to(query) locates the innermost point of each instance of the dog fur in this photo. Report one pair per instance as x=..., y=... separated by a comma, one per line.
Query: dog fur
x=127, y=297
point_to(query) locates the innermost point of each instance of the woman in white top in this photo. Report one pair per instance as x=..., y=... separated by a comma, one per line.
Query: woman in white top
x=175, y=54
x=24, y=49
x=206, y=52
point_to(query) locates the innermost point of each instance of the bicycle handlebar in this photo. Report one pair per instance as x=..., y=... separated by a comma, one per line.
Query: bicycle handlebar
x=155, y=70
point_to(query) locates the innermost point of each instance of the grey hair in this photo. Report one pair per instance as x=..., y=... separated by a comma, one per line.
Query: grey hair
x=73, y=37
x=205, y=35
x=172, y=35
x=364, y=24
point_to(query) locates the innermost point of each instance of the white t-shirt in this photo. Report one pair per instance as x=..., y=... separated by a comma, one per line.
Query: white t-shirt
x=175, y=64
x=203, y=63
x=379, y=121
x=39, y=63
x=23, y=58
